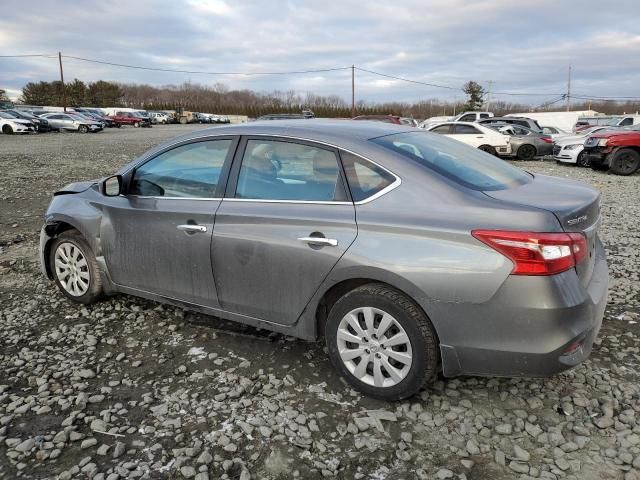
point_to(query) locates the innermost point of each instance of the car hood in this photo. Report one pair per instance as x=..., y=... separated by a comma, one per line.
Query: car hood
x=19, y=120
x=614, y=134
x=570, y=140
x=75, y=187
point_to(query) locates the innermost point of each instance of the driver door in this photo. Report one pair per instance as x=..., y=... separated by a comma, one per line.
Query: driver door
x=157, y=236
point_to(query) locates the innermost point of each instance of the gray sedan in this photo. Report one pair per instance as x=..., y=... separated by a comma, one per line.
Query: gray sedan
x=409, y=253
x=525, y=143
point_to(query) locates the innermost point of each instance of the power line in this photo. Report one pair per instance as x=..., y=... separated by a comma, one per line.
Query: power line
x=30, y=55
x=409, y=80
x=170, y=70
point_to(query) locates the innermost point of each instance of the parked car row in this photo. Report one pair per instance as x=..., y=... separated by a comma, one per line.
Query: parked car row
x=85, y=119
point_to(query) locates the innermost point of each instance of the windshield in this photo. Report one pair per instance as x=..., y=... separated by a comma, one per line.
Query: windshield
x=461, y=163
x=6, y=115
x=613, y=122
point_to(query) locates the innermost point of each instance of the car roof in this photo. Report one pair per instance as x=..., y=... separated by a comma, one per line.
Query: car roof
x=327, y=131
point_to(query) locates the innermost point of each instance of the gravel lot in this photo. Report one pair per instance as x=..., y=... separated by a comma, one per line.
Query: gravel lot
x=133, y=389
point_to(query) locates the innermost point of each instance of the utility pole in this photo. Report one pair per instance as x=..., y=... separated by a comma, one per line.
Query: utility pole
x=488, y=106
x=353, y=91
x=64, y=92
x=569, y=89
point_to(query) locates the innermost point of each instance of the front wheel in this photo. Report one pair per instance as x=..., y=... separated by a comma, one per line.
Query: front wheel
x=583, y=160
x=74, y=268
x=625, y=162
x=488, y=149
x=7, y=130
x=381, y=342
x=136, y=124
x=83, y=129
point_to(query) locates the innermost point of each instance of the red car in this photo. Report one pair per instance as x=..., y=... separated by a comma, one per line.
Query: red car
x=619, y=151
x=128, y=118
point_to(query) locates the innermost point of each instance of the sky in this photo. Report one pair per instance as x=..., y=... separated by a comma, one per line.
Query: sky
x=520, y=46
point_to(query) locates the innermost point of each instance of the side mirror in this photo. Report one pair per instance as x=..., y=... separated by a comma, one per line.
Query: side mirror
x=111, y=186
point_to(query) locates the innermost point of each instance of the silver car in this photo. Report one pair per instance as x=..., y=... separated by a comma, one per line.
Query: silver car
x=72, y=122
x=410, y=253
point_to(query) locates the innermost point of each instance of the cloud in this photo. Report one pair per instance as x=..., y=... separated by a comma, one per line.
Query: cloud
x=523, y=46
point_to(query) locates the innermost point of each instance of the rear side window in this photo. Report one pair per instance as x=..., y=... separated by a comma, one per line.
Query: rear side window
x=465, y=129
x=468, y=118
x=365, y=178
x=279, y=170
x=456, y=161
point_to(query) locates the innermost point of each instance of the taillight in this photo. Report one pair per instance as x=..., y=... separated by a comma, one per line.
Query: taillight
x=535, y=253
x=546, y=139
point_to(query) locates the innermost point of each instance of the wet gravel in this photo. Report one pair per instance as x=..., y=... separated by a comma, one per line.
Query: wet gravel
x=133, y=389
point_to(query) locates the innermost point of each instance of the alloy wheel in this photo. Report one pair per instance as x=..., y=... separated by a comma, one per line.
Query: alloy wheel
x=374, y=347
x=72, y=269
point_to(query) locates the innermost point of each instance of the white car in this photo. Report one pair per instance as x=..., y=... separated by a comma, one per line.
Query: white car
x=159, y=117
x=479, y=136
x=569, y=148
x=10, y=124
x=554, y=132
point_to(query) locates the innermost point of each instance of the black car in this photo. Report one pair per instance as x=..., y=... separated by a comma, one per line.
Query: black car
x=41, y=124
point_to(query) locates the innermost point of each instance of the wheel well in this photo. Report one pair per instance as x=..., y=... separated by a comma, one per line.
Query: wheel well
x=336, y=292
x=53, y=230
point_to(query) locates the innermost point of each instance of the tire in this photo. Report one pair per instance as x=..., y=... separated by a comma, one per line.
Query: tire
x=87, y=285
x=183, y=121
x=83, y=129
x=583, y=161
x=136, y=124
x=7, y=130
x=624, y=161
x=118, y=125
x=526, y=152
x=419, y=353
x=487, y=148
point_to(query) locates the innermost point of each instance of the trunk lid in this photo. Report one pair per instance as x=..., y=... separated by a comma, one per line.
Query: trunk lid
x=576, y=205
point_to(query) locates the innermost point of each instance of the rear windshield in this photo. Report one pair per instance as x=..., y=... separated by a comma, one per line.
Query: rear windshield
x=461, y=163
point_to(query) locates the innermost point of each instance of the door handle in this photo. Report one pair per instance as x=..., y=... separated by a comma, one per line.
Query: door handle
x=330, y=242
x=192, y=228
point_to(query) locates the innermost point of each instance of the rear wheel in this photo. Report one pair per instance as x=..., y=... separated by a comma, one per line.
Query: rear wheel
x=183, y=121
x=625, y=161
x=381, y=342
x=526, y=152
x=488, y=149
x=74, y=268
x=7, y=130
x=583, y=160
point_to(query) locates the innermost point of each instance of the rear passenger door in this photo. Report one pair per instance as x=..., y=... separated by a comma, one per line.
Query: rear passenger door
x=284, y=223
x=468, y=134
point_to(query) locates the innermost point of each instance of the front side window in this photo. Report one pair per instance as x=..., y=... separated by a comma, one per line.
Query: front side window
x=456, y=161
x=279, y=170
x=187, y=171
x=442, y=129
x=626, y=121
x=365, y=179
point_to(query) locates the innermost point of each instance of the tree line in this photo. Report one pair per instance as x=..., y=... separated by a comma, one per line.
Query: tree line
x=220, y=99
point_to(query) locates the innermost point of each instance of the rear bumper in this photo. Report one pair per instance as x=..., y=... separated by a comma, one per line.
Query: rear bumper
x=527, y=328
